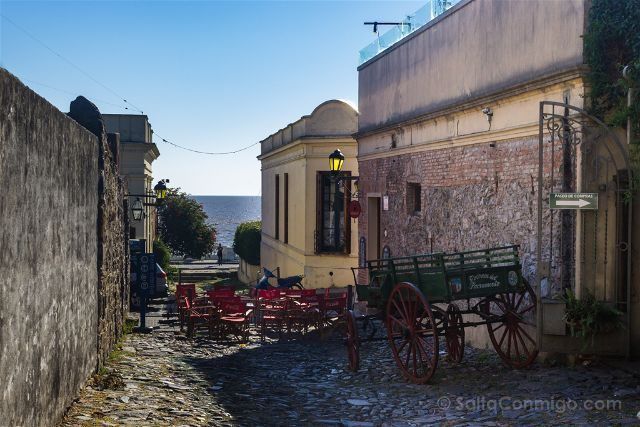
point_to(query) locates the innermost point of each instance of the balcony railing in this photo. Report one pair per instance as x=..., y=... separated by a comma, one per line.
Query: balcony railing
x=411, y=23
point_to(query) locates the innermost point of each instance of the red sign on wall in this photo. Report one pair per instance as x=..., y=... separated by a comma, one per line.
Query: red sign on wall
x=355, y=209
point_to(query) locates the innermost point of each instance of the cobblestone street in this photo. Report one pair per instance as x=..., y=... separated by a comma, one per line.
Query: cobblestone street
x=165, y=379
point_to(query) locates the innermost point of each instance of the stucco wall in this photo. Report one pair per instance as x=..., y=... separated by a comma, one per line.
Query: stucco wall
x=248, y=273
x=61, y=216
x=48, y=275
x=477, y=48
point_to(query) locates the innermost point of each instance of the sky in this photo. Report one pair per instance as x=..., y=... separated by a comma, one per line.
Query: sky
x=210, y=75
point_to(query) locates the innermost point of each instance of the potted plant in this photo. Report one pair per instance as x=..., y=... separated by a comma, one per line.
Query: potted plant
x=588, y=317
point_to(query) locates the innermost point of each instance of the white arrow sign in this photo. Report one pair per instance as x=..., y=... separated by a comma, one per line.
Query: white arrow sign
x=579, y=203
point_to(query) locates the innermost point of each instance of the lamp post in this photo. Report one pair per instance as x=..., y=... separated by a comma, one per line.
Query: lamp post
x=145, y=263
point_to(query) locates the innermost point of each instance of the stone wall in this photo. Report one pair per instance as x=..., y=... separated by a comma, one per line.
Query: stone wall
x=112, y=230
x=473, y=197
x=59, y=276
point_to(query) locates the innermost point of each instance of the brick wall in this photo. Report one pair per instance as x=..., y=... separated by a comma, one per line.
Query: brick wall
x=472, y=197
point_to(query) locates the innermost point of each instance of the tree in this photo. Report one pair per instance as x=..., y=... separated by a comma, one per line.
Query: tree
x=183, y=225
x=246, y=242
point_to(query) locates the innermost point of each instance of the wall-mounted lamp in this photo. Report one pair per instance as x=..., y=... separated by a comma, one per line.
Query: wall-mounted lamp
x=487, y=111
x=137, y=209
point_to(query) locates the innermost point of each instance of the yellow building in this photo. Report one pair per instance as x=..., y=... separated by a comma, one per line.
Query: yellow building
x=137, y=152
x=305, y=224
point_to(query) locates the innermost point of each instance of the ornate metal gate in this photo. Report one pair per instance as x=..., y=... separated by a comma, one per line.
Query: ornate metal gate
x=581, y=250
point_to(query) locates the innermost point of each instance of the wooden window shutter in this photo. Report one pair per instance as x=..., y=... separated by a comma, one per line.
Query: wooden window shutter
x=286, y=208
x=347, y=218
x=318, y=234
x=277, y=219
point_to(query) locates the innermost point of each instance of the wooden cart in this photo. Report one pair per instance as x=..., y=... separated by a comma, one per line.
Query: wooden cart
x=423, y=298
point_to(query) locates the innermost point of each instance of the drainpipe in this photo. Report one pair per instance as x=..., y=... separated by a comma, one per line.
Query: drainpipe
x=625, y=75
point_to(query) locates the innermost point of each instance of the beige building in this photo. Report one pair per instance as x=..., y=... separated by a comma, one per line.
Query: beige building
x=449, y=140
x=305, y=224
x=137, y=153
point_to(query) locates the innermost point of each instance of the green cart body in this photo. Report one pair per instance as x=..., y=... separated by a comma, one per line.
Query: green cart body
x=445, y=277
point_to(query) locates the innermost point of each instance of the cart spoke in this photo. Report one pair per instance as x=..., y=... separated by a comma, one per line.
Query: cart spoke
x=524, y=347
x=402, y=346
x=528, y=336
x=515, y=345
x=519, y=300
x=503, y=335
x=400, y=322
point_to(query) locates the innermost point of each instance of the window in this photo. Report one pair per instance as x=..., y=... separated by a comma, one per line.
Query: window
x=414, y=198
x=333, y=225
x=277, y=201
x=286, y=208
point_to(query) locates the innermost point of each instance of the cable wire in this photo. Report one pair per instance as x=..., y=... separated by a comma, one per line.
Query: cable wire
x=207, y=152
x=114, y=93
x=73, y=93
x=46, y=46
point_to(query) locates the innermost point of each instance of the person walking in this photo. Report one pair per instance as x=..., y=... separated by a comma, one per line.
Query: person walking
x=219, y=252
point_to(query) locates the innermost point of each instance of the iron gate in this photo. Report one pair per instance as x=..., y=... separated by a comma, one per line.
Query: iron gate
x=582, y=250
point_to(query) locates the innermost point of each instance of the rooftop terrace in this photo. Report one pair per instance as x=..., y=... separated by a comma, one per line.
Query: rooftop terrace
x=411, y=23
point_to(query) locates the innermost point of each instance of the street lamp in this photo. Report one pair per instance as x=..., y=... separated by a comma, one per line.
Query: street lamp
x=336, y=160
x=160, y=190
x=137, y=209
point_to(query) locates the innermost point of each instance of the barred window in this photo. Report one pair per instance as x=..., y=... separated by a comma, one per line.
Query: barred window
x=414, y=198
x=333, y=225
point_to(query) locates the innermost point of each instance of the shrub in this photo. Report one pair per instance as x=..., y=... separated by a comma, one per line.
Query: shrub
x=163, y=254
x=246, y=242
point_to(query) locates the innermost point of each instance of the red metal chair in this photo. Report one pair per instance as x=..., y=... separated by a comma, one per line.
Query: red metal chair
x=184, y=290
x=271, y=311
x=303, y=312
x=293, y=293
x=333, y=308
x=235, y=318
x=215, y=295
x=309, y=293
x=198, y=316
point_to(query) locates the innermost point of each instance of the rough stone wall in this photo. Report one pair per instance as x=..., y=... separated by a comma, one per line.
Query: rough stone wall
x=63, y=252
x=473, y=197
x=48, y=256
x=113, y=252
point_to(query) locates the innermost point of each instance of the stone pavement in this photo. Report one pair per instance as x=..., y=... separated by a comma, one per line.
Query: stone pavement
x=165, y=379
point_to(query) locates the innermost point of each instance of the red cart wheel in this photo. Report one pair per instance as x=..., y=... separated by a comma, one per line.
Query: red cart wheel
x=412, y=333
x=454, y=333
x=513, y=337
x=353, y=342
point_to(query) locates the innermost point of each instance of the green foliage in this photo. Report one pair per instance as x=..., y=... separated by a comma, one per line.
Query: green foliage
x=589, y=317
x=163, y=253
x=183, y=225
x=612, y=41
x=246, y=242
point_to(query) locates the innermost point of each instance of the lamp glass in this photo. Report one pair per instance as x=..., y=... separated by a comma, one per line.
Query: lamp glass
x=336, y=160
x=137, y=209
